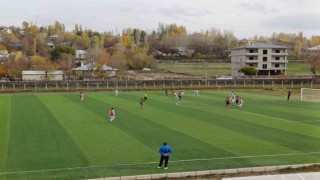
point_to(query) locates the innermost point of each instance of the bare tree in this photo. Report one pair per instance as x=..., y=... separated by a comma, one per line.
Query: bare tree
x=96, y=58
x=314, y=62
x=67, y=62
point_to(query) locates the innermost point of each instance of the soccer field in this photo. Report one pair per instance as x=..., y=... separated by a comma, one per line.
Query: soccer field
x=56, y=136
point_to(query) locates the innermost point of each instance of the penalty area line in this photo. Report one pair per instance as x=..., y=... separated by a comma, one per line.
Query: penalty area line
x=146, y=163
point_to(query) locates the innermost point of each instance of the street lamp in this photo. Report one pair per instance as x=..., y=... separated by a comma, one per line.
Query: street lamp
x=206, y=67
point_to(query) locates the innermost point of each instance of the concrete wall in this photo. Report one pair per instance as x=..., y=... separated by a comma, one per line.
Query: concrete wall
x=40, y=77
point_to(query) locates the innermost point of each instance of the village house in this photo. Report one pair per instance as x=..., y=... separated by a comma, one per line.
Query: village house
x=87, y=70
x=42, y=75
x=268, y=59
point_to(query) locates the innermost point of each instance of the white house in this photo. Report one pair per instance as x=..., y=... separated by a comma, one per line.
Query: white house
x=315, y=48
x=80, y=55
x=268, y=59
x=86, y=69
x=51, y=45
x=4, y=54
x=41, y=75
x=6, y=30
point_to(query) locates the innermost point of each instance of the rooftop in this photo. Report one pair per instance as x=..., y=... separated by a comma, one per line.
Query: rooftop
x=260, y=46
x=29, y=72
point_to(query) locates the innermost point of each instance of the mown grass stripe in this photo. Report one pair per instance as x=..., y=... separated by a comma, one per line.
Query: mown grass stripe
x=103, y=142
x=270, y=120
x=195, y=135
x=5, y=108
x=153, y=133
x=186, y=121
x=267, y=106
x=37, y=139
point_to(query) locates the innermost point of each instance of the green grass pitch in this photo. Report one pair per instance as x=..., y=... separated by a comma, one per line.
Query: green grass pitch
x=55, y=136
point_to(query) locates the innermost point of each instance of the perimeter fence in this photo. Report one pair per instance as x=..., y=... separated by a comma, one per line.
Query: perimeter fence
x=40, y=86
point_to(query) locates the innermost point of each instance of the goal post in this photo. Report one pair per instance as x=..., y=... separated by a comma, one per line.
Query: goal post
x=309, y=94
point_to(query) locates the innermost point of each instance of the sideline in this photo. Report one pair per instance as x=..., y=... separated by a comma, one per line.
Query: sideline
x=146, y=163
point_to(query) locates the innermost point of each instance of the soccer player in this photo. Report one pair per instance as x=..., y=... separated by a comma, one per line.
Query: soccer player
x=196, y=92
x=81, y=96
x=289, y=94
x=175, y=95
x=166, y=92
x=227, y=101
x=232, y=97
x=237, y=100
x=165, y=152
x=240, y=103
x=182, y=92
x=116, y=92
x=145, y=96
x=180, y=95
x=141, y=102
x=112, y=114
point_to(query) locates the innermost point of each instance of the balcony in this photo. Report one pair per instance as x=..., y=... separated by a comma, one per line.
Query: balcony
x=279, y=54
x=252, y=54
x=279, y=61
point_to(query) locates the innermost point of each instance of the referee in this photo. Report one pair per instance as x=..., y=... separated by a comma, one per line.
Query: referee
x=165, y=152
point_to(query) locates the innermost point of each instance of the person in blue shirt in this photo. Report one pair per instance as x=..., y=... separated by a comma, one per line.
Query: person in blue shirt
x=165, y=152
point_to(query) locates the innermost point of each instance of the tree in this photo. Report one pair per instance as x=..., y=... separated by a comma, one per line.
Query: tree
x=15, y=66
x=67, y=62
x=57, y=51
x=96, y=58
x=2, y=47
x=17, y=55
x=118, y=60
x=249, y=70
x=139, y=59
x=25, y=26
x=314, y=62
x=3, y=70
x=43, y=64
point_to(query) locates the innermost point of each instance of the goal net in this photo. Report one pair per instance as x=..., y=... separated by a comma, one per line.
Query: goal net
x=308, y=94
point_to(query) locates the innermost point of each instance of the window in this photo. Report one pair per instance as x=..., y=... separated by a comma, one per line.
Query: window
x=277, y=51
x=251, y=51
x=264, y=66
x=250, y=65
x=265, y=58
x=265, y=51
x=277, y=58
x=251, y=58
x=277, y=65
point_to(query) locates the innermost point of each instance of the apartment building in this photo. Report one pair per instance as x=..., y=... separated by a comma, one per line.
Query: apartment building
x=268, y=59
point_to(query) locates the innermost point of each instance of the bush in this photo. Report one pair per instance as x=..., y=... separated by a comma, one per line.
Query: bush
x=249, y=70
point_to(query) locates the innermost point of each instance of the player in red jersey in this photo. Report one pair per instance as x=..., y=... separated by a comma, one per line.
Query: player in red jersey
x=112, y=114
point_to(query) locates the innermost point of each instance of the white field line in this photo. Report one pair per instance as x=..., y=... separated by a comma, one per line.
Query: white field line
x=281, y=119
x=146, y=163
x=301, y=177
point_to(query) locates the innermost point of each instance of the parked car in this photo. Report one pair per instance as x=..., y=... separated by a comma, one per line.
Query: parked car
x=224, y=78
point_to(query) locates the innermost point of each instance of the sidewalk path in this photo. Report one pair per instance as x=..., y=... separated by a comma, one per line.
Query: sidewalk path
x=296, y=176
